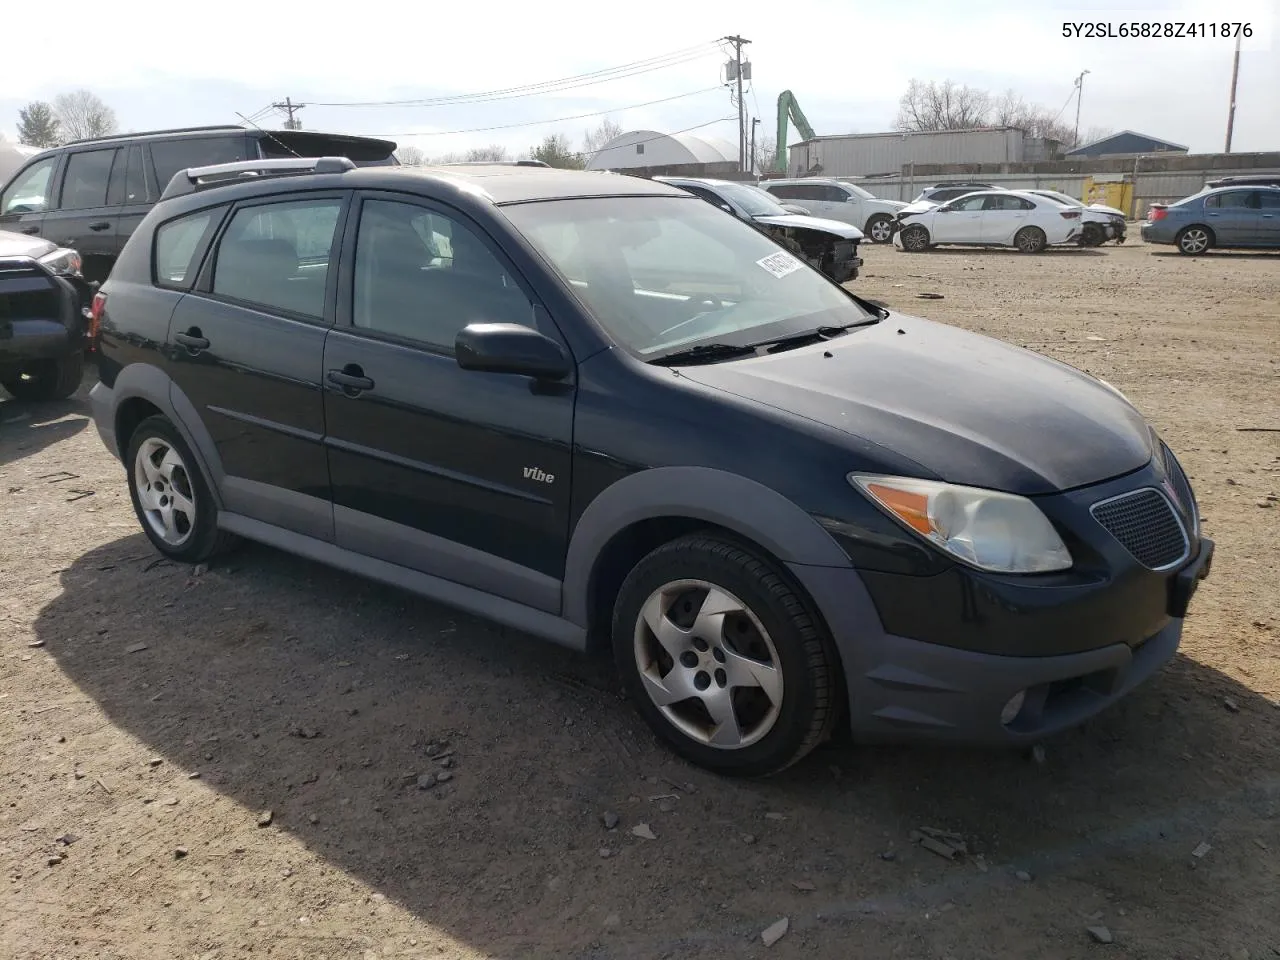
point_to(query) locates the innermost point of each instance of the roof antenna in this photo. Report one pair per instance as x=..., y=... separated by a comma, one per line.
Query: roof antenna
x=269, y=135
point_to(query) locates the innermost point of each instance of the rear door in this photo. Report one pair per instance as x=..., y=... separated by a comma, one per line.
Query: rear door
x=26, y=200
x=247, y=346
x=459, y=474
x=83, y=217
x=1268, y=218
x=1003, y=215
x=136, y=193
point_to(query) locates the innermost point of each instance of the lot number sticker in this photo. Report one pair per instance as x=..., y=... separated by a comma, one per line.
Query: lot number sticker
x=780, y=263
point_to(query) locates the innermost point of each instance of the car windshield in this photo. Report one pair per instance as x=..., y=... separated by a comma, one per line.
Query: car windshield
x=662, y=274
x=754, y=201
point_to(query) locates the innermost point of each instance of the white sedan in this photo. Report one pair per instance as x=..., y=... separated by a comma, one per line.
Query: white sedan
x=995, y=218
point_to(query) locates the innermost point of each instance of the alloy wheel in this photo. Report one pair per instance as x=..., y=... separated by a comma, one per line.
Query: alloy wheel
x=708, y=664
x=165, y=492
x=1194, y=240
x=881, y=230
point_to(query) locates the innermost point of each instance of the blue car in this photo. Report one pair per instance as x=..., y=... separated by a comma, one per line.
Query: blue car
x=1235, y=216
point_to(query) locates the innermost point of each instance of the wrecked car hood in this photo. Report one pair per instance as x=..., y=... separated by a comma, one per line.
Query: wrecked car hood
x=795, y=221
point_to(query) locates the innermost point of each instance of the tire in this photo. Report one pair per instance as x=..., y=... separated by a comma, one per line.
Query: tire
x=48, y=379
x=1092, y=235
x=915, y=239
x=179, y=516
x=1030, y=240
x=789, y=697
x=880, y=228
x=1194, y=240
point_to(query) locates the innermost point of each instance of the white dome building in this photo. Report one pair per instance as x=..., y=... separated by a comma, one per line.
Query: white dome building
x=666, y=152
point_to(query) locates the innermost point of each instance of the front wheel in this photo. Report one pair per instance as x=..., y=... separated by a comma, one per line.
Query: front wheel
x=48, y=379
x=880, y=228
x=915, y=239
x=723, y=659
x=1092, y=236
x=1194, y=240
x=1030, y=240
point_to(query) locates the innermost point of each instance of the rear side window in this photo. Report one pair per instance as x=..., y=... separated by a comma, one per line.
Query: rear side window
x=277, y=256
x=170, y=156
x=176, y=246
x=85, y=184
x=30, y=190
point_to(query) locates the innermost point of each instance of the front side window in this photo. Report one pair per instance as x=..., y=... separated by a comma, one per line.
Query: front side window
x=834, y=194
x=664, y=273
x=858, y=191
x=278, y=255
x=971, y=203
x=176, y=245
x=423, y=276
x=85, y=184
x=29, y=193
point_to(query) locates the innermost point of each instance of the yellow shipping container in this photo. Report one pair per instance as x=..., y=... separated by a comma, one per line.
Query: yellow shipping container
x=1113, y=193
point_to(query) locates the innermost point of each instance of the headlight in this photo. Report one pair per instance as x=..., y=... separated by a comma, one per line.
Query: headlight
x=62, y=261
x=1000, y=532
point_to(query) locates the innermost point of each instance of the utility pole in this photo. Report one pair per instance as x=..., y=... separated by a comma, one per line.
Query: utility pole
x=755, y=122
x=290, y=107
x=1079, y=94
x=1231, y=110
x=736, y=72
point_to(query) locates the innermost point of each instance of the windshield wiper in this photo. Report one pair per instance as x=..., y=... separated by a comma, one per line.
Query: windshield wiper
x=706, y=353
x=816, y=335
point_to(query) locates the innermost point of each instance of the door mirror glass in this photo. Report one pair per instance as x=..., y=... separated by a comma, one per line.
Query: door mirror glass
x=510, y=348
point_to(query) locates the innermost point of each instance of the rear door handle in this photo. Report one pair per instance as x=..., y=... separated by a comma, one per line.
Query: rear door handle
x=100, y=225
x=350, y=378
x=192, y=340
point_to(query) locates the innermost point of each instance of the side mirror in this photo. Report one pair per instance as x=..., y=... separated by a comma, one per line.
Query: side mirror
x=511, y=348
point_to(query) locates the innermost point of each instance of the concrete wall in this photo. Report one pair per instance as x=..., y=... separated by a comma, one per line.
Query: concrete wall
x=1158, y=179
x=868, y=153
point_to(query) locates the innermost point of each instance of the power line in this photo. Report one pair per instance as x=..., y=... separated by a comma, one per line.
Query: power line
x=534, y=123
x=660, y=62
x=290, y=107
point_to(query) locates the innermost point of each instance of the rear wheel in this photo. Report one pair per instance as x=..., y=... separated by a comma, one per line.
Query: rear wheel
x=723, y=659
x=48, y=379
x=1193, y=240
x=880, y=228
x=915, y=239
x=1030, y=240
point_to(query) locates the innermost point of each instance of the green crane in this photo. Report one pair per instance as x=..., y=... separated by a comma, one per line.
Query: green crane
x=789, y=108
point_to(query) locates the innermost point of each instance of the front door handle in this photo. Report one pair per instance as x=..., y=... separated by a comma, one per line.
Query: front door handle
x=31, y=229
x=100, y=225
x=193, y=340
x=350, y=378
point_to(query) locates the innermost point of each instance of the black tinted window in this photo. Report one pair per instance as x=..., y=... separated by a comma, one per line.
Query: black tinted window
x=135, y=181
x=809, y=191
x=833, y=194
x=278, y=255
x=424, y=276
x=170, y=156
x=783, y=191
x=177, y=243
x=85, y=184
x=997, y=201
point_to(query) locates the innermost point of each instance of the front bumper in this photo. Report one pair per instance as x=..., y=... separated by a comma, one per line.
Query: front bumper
x=905, y=689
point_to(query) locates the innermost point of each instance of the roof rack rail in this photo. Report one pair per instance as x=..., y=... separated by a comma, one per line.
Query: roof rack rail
x=158, y=133
x=496, y=163
x=194, y=178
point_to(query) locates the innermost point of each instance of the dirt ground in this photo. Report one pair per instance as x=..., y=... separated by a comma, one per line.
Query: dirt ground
x=149, y=717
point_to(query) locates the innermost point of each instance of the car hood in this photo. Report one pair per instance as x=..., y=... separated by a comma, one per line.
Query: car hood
x=20, y=245
x=968, y=409
x=1103, y=208
x=797, y=222
x=918, y=206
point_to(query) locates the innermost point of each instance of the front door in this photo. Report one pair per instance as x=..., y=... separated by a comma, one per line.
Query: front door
x=458, y=474
x=83, y=217
x=24, y=203
x=961, y=222
x=247, y=347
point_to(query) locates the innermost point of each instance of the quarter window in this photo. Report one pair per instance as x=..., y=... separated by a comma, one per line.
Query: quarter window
x=423, y=276
x=176, y=244
x=277, y=256
x=85, y=184
x=30, y=191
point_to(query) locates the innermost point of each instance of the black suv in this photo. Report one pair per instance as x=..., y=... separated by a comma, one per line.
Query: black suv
x=89, y=195
x=511, y=389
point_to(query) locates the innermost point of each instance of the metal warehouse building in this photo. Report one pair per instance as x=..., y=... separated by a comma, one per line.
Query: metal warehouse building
x=867, y=154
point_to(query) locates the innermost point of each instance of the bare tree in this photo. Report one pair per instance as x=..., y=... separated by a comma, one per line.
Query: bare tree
x=411, y=156
x=82, y=115
x=1093, y=134
x=593, y=141
x=493, y=152
x=766, y=153
x=38, y=125
x=942, y=106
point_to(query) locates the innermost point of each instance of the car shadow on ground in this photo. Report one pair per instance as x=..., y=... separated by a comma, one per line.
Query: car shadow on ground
x=1236, y=254
x=27, y=428
x=292, y=687
x=1055, y=251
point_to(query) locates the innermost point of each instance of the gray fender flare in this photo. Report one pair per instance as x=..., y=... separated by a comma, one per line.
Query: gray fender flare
x=748, y=508
x=145, y=382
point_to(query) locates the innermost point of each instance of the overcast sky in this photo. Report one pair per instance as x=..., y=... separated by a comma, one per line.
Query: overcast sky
x=165, y=64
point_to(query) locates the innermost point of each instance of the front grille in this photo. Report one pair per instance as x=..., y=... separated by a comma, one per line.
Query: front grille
x=1145, y=524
